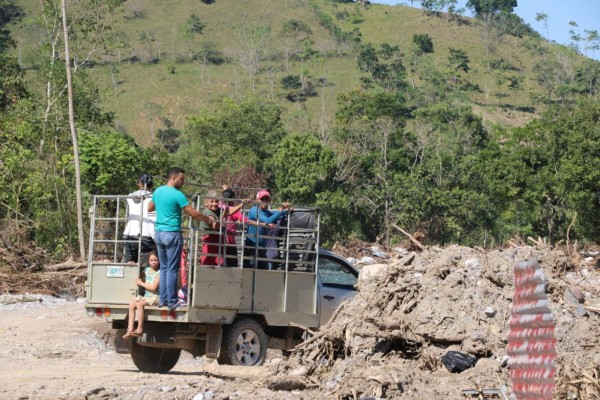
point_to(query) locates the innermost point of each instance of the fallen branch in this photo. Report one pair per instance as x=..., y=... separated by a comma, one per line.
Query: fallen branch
x=411, y=237
x=68, y=265
x=295, y=325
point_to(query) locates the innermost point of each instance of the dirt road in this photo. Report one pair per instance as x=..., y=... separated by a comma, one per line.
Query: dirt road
x=50, y=349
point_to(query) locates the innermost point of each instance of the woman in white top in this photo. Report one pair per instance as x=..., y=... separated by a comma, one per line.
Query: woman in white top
x=140, y=220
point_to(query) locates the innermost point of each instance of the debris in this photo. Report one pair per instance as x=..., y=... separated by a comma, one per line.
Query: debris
x=472, y=262
x=455, y=361
x=412, y=238
x=366, y=260
x=376, y=251
x=286, y=383
x=489, y=393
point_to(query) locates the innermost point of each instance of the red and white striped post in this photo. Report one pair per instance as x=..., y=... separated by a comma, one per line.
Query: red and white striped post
x=531, y=340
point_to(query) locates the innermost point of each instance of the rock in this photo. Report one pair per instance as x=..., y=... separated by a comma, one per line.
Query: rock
x=580, y=311
x=94, y=391
x=199, y=396
x=403, y=252
x=209, y=394
x=300, y=371
x=490, y=312
x=366, y=260
x=373, y=271
x=376, y=251
x=472, y=262
x=578, y=294
x=504, y=361
x=167, y=389
x=568, y=298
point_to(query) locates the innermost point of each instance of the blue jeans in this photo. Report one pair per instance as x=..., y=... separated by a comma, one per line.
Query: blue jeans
x=169, y=246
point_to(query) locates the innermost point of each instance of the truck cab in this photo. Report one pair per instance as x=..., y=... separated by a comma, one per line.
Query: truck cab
x=270, y=300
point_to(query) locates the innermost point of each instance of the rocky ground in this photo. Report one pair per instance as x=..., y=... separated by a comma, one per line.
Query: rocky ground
x=411, y=309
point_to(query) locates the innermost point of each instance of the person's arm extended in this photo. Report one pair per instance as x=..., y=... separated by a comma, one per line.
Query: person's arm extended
x=262, y=217
x=258, y=223
x=151, y=206
x=232, y=210
x=197, y=215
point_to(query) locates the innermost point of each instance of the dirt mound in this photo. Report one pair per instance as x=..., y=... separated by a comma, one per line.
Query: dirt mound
x=388, y=341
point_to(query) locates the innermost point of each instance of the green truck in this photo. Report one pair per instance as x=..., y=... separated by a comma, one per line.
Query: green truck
x=230, y=313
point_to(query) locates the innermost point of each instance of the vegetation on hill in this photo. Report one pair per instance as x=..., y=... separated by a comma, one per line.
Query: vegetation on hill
x=469, y=130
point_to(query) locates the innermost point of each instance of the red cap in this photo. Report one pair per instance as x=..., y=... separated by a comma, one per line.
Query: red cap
x=263, y=193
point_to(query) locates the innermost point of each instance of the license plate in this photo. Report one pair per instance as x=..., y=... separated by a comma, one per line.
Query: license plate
x=115, y=271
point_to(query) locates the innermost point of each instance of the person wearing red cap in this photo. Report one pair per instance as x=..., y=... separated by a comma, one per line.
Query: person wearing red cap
x=256, y=236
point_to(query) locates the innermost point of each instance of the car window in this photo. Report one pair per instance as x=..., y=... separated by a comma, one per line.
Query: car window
x=333, y=272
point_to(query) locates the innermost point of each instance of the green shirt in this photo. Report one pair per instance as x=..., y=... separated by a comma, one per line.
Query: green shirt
x=209, y=213
x=169, y=203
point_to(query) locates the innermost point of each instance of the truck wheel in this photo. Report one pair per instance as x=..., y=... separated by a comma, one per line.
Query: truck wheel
x=153, y=359
x=244, y=343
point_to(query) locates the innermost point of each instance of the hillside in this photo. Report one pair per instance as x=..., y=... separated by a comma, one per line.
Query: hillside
x=152, y=69
x=391, y=119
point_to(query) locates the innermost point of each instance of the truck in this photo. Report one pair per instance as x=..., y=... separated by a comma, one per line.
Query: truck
x=232, y=314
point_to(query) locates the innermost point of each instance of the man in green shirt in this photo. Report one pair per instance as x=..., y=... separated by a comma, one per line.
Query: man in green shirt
x=168, y=201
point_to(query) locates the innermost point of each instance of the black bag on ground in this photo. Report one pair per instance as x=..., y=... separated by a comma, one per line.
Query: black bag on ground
x=456, y=361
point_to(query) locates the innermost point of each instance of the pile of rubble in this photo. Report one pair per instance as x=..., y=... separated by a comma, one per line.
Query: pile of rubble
x=389, y=341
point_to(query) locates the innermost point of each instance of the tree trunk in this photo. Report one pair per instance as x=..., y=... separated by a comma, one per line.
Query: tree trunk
x=73, y=133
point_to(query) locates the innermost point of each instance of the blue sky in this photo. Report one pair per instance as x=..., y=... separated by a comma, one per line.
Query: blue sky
x=586, y=13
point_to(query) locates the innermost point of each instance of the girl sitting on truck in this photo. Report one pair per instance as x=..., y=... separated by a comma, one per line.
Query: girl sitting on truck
x=150, y=297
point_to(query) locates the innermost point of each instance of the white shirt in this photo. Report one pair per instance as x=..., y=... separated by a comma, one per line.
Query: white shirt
x=136, y=208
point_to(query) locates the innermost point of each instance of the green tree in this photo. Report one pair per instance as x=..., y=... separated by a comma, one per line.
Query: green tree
x=483, y=7
x=12, y=84
x=367, y=57
x=370, y=106
x=302, y=167
x=9, y=11
x=444, y=143
x=194, y=25
x=371, y=155
x=543, y=177
x=543, y=17
x=591, y=42
x=209, y=54
x=387, y=51
x=423, y=43
x=298, y=32
x=588, y=77
x=514, y=84
x=237, y=133
x=459, y=60
x=110, y=161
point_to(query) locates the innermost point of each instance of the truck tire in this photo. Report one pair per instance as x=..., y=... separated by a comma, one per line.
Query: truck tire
x=244, y=343
x=153, y=359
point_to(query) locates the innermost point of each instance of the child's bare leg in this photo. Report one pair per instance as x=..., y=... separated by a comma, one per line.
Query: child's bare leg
x=131, y=319
x=140, y=316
